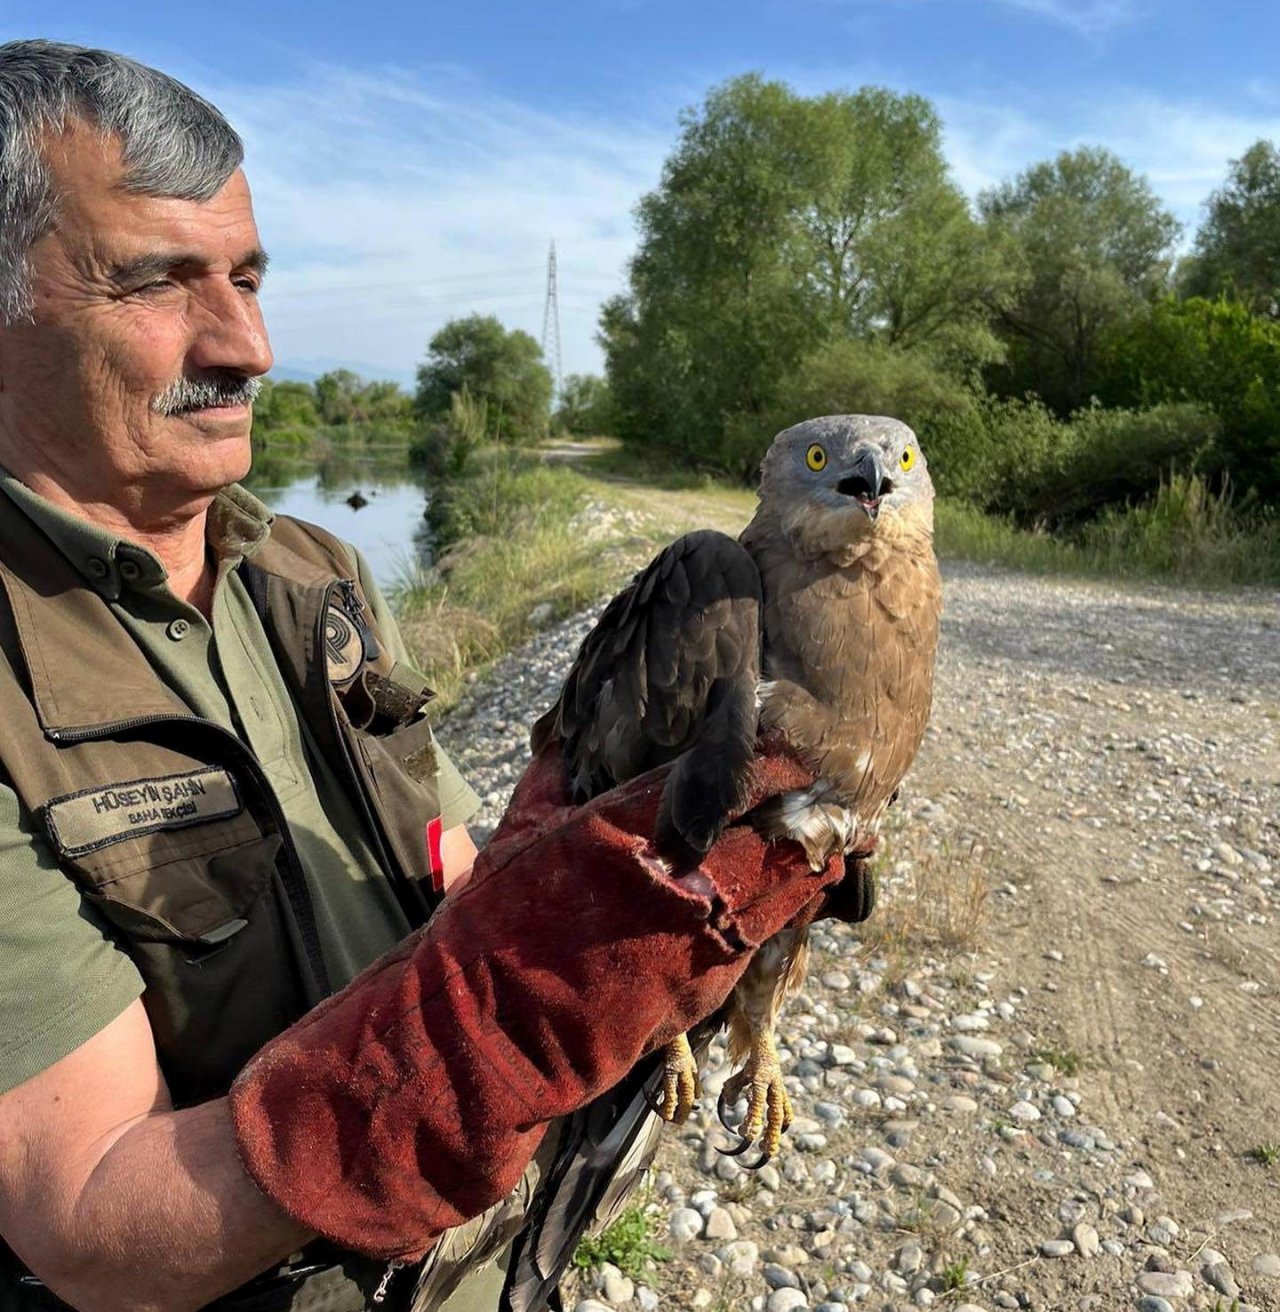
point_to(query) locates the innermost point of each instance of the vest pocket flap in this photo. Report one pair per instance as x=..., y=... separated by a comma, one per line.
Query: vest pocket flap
x=204, y=899
x=403, y=770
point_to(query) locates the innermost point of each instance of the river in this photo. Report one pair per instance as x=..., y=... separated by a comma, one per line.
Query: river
x=389, y=529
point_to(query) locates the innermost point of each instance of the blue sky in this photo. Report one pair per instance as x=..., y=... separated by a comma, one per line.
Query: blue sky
x=411, y=162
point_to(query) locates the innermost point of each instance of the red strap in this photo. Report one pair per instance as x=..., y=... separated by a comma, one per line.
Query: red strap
x=435, y=857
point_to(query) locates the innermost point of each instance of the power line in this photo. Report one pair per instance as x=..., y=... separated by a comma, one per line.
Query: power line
x=551, y=325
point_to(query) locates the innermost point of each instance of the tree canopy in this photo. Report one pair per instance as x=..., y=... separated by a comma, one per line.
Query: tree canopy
x=1093, y=245
x=500, y=368
x=1237, y=250
x=782, y=223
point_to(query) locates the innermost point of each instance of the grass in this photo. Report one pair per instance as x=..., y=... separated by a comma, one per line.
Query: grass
x=628, y=1244
x=1066, y=1061
x=1187, y=535
x=941, y=903
x=1265, y=1154
x=955, y=1275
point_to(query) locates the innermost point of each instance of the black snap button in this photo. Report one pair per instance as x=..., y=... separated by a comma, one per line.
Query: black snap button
x=130, y=571
x=97, y=567
x=178, y=629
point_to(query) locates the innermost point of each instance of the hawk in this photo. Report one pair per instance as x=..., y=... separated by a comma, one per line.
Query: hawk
x=817, y=625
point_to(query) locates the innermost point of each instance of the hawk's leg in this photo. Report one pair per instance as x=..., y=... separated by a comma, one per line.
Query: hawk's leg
x=769, y=1110
x=775, y=972
x=813, y=818
x=680, y=1086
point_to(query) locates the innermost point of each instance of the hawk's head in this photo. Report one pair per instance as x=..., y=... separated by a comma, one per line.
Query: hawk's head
x=844, y=480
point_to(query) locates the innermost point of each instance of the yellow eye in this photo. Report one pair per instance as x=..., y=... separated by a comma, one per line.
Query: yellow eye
x=908, y=457
x=816, y=457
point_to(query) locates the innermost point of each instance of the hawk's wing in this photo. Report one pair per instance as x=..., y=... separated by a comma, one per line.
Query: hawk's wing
x=669, y=673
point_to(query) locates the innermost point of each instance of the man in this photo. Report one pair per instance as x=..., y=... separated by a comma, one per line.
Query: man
x=214, y=785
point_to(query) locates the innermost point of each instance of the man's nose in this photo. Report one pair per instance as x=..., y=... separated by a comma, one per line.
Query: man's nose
x=229, y=332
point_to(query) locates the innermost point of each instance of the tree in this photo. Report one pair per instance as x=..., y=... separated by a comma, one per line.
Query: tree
x=500, y=368
x=585, y=405
x=1218, y=355
x=343, y=397
x=782, y=223
x=1094, y=245
x=285, y=404
x=1237, y=250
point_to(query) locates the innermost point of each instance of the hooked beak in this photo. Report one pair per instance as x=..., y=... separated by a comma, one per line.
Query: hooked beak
x=867, y=480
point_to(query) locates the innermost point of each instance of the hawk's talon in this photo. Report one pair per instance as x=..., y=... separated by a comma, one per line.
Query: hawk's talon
x=769, y=1111
x=680, y=1086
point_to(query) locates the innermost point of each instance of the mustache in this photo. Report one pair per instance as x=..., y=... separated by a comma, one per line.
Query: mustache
x=220, y=387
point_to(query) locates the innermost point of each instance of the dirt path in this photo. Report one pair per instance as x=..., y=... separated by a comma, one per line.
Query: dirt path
x=1058, y=1111
x=1117, y=753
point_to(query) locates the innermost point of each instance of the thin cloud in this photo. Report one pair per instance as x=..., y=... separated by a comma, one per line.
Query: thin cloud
x=393, y=203
x=1088, y=17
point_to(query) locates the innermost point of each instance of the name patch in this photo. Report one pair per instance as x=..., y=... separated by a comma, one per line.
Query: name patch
x=83, y=822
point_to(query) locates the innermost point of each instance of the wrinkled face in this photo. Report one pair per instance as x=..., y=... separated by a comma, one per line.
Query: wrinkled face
x=134, y=297
x=847, y=476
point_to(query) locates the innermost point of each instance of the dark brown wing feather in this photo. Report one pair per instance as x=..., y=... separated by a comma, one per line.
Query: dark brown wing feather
x=669, y=673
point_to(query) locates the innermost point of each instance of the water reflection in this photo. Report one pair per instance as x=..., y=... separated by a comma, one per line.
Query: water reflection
x=389, y=529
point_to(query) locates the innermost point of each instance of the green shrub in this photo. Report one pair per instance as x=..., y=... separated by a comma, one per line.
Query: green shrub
x=1217, y=355
x=1042, y=471
x=502, y=495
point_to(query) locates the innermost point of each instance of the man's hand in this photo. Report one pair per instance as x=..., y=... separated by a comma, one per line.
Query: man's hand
x=117, y=1202
x=414, y=1099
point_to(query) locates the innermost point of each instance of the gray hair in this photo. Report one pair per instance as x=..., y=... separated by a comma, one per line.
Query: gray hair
x=174, y=143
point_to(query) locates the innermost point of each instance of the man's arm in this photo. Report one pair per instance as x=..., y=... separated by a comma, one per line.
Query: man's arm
x=116, y=1201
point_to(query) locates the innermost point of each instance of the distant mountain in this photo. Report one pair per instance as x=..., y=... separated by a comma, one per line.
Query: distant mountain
x=307, y=371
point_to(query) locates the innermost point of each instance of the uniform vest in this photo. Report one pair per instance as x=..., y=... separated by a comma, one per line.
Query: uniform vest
x=166, y=824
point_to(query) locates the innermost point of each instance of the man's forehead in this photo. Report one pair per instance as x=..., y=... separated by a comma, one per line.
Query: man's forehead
x=87, y=170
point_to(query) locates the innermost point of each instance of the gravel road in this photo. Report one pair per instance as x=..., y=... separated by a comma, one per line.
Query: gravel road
x=1060, y=1096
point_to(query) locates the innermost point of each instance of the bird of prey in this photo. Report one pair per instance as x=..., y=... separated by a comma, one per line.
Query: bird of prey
x=819, y=625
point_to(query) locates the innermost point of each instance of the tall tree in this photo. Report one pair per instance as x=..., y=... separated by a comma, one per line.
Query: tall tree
x=782, y=223
x=501, y=369
x=1094, y=245
x=1237, y=250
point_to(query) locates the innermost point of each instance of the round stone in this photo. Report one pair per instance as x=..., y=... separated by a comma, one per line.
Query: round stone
x=1057, y=1248
x=685, y=1224
x=1153, y=1303
x=1167, y=1284
x=786, y=1300
x=720, y=1225
x=1267, y=1264
x=778, y=1277
x=1025, y=1113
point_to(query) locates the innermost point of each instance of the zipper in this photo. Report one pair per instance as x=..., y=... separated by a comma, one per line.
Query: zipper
x=409, y=895
x=295, y=883
x=384, y=1285
x=354, y=609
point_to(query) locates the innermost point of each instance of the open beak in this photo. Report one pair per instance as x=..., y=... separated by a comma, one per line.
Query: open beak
x=867, y=480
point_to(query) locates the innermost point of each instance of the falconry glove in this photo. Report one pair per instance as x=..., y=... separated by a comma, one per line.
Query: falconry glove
x=414, y=1099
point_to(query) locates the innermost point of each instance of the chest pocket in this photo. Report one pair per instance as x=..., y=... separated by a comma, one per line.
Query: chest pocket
x=179, y=867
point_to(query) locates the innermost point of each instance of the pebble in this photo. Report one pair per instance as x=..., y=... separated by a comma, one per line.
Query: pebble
x=1218, y=1274
x=740, y=1257
x=1057, y=1248
x=720, y=1225
x=1167, y=1284
x=1024, y=1112
x=1154, y=1303
x=1085, y=1239
x=685, y=1224
x=786, y=1300
x=778, y=1277
x=1267, y=1264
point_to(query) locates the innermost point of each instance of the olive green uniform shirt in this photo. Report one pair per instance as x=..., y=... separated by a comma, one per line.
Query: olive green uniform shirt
x=62, y=976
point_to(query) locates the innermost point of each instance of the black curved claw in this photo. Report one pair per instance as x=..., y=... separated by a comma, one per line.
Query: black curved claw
x=721, y=1108
x=765, y=1159
x=738, y=1151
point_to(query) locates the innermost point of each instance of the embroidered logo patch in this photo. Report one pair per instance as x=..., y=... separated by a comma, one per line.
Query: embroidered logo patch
x=343, y=645
x=83, y=822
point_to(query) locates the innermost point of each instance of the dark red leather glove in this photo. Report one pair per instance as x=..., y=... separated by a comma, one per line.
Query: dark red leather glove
x=414, y=1098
